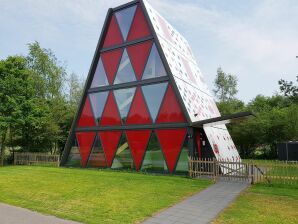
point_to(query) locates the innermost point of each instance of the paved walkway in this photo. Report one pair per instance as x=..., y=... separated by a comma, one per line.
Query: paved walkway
x=14, y=215
x=202, y=207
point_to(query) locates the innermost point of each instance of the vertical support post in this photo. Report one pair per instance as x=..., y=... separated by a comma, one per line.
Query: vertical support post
x=214, y=169
x=252, y=173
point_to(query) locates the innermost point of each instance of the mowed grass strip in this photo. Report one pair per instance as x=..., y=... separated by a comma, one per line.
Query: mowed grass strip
x=93, y=196
x=263, y=204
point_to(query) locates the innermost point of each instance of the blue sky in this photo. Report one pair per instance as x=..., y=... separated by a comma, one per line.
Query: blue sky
x=255, y=40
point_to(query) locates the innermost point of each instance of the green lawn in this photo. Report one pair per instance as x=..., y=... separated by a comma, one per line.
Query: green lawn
x=93, y=196
x=263, y=204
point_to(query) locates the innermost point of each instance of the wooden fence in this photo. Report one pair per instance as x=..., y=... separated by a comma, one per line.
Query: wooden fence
x=25, y=158
x=272, y=172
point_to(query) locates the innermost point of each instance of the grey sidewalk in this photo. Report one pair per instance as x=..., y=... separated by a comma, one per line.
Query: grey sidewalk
x=202, y=207
x=14, y=215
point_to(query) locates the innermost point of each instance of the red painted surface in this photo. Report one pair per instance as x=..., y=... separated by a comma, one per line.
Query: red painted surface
x=138, y=113
x=111, y=60
x=171, y=141
x=109, y=142
x=139, y=54
x=139, y=27
x=113, y=36
x=87, y=119
x=198, y=141
x=85, y=140
x=170, y=110
x=138, y=141
x=110, y=115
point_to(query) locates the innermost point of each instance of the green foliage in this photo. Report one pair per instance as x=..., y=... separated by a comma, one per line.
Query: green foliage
x=36, y=111
x=225, y=85
x=276, y=121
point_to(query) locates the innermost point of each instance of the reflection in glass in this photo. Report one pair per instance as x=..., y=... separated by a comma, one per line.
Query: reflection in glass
x=125, y=71
x=153, y=96
x=124, y=18
x=100, y=77
x=74, y=157
x=123, y=158
x=124, y=98
x=97, y=157
x=98, y=101
x=154, y=67
x=154, y=159
x=182, y=164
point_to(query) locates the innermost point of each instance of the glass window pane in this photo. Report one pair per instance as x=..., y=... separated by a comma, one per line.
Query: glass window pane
x=123, y=158
x=154, y=160
x=110, y=115
x=98, y=101
x=74, y=158
x=154, y=67
x=97, y=157
x=153, y=96
x=125, y=71
x=124, y=98
x=124, y=18
x=182, y=164
x=100, y=78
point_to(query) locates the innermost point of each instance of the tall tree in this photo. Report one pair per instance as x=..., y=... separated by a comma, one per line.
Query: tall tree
x=225, y=85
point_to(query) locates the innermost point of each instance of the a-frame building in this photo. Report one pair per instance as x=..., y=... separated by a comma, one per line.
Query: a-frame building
x=142, y=97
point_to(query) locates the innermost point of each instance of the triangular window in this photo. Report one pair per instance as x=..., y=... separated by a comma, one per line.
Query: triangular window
x=86, y=118
x=110, y=115
x=124, y=18
x=153, y=159
x=153, y=96
x=98, y=101
x=99, y=78
x=123, y=158
x=113, y=36
x=154, y=67
x=97, y=156
x=74, y=158
x=110, y=62
x=125, y=71
x=124, y=98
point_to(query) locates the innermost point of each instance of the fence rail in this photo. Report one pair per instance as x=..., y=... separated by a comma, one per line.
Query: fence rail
x=273, y=172
x=25, y=158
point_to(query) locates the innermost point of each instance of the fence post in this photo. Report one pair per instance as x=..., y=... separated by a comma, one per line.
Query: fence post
x=252, y=173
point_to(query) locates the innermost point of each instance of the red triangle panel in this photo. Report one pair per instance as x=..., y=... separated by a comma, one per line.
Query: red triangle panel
x=110, y=62
x=138, y=113
x=110, y=115
x=138, y=141
x=87, y=119
x=171, y=141
x=138, y=56
x=109, y=141
x=139, y=27
x=85, y=140
x=170, y=110
x=113, y=35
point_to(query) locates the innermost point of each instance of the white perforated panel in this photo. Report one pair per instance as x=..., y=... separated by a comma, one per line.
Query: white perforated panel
x=194, y=91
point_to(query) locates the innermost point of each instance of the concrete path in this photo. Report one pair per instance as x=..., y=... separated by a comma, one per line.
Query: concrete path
x=14, y=215
x=202, y=207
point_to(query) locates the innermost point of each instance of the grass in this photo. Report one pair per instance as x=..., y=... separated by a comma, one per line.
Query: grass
x=263, y=204
x=93, y=196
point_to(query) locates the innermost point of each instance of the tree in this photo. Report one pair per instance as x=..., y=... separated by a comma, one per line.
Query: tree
x=288, y=89
x=225, y=85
